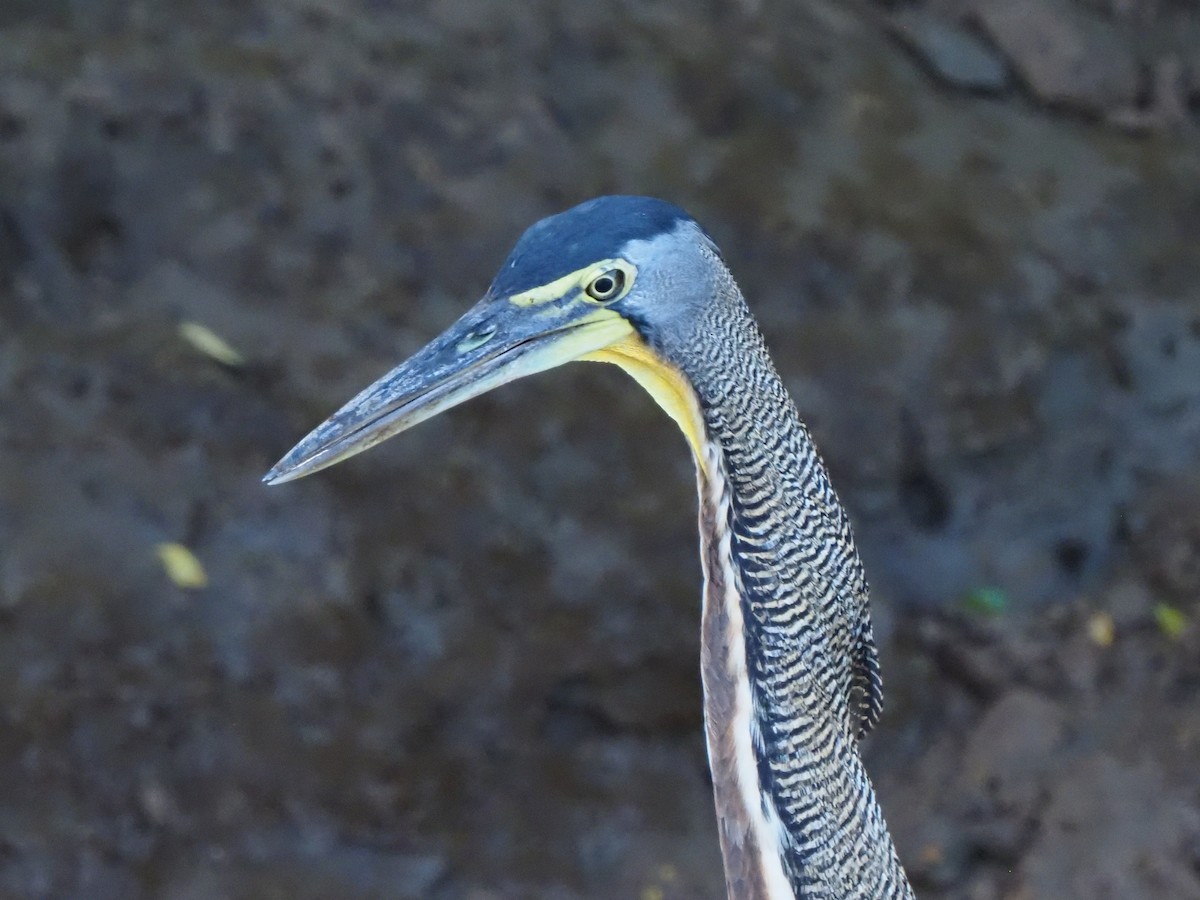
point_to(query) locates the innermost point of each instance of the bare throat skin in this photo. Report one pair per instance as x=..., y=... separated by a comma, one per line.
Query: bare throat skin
x=750, y=831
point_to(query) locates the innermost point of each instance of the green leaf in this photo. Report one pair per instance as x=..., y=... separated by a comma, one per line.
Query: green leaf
x=1171, y=620
x=986, y=601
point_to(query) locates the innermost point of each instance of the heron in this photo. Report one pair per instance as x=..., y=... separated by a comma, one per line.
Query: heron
x=789, y=667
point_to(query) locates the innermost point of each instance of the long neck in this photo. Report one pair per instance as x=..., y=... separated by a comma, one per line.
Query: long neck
x=788, y=659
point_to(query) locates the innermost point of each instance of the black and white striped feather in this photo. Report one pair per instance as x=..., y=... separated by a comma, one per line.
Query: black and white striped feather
x=810, y=651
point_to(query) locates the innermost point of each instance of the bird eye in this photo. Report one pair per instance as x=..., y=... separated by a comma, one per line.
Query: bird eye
x=606, y=286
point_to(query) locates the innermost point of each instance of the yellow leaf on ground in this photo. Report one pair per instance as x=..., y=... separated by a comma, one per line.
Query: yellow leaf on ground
x=181, y=566
x=1101, y=629
x=211, y=344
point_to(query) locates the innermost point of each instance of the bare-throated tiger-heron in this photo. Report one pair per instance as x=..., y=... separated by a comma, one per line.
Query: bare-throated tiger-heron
x=788, y=661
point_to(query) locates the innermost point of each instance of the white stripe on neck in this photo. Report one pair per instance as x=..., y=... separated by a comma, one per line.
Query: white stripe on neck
x=766, y=827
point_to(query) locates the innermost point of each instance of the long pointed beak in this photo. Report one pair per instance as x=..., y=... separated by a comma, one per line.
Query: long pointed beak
x=492, y=344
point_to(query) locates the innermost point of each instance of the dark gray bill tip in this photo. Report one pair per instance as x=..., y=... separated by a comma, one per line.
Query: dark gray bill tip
x=280, y=473
x=303, y=459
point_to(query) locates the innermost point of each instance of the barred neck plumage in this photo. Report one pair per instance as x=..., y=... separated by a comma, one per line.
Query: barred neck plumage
x=789, y=663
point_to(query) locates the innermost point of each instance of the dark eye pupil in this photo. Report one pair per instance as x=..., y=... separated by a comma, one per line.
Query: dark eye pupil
x=607, y=286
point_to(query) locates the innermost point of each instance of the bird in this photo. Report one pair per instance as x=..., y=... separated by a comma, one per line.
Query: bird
x=789, y=667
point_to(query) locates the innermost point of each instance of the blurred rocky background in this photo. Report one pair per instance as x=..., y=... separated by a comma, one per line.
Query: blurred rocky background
x=465, y=664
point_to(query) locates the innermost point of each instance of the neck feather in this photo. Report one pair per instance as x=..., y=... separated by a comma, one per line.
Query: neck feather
x=789, y=664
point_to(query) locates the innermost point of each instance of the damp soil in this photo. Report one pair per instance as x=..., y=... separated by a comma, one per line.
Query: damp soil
x=465, y=664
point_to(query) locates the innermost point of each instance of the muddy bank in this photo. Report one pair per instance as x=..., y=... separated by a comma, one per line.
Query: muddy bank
x=465, y=664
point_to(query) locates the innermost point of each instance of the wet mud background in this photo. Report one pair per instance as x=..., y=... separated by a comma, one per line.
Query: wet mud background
x=465, y=664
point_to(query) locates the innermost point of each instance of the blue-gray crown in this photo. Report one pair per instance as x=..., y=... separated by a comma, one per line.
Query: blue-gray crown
x=596, y=229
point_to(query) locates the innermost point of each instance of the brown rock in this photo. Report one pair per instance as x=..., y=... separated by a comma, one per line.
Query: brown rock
x=954, y=57
x=1166, y=538
x=1112, y=830
x=1064, y=58
x=1013, y=748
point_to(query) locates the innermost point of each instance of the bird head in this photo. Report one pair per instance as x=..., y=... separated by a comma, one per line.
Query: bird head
x=617, y=279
